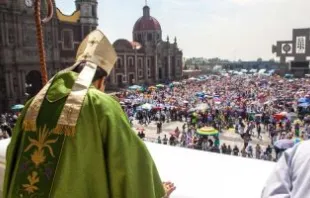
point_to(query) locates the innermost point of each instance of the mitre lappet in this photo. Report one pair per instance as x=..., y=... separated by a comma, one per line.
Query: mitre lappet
x=95, y=51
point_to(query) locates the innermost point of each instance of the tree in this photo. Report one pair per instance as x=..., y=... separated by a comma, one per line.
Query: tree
x=185, y=67
x=259, y=60
x=196, y=67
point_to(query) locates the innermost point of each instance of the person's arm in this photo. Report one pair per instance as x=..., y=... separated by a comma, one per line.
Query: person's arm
x=131, y=170
x=279, y=184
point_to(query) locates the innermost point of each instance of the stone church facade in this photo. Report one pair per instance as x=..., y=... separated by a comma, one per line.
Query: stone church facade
x=19, y=62
x=148, y=58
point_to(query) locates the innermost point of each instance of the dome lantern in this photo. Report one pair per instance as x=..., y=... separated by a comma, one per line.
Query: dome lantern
x=146, y=11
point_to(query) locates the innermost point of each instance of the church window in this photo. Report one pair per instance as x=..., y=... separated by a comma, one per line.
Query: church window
x=49, y=40
x=94, y=11
x=140, y=63
x=1, y=41
x=11, y=36
x=139, y=37
x=148, y=63
x=148, y=73
x=130, y=62
x=29, y=35
x=67, y=38
x=149, y=37
x=119, y=63
x=109, y=79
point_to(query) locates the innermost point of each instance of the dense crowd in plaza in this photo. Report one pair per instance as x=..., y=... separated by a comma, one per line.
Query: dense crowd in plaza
x=251, y=106
x=208, y=107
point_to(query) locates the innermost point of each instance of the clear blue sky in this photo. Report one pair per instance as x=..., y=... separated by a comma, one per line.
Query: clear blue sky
x=230, y=29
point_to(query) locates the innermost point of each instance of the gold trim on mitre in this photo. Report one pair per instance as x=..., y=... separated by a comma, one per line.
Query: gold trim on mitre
x=96, y=48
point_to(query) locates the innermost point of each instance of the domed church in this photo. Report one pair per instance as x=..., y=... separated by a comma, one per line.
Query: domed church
x=148, y=58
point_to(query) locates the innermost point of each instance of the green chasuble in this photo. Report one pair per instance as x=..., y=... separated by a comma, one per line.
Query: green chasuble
x=102, y=159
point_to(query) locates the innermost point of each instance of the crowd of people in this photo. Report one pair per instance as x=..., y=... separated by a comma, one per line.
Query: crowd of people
x=250, y=106
x=7, y=122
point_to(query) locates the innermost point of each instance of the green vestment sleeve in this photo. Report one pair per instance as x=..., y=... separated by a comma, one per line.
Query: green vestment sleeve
x=131, y=170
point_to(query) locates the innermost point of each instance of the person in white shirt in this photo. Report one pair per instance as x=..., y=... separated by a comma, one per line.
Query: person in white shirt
x=290, y=178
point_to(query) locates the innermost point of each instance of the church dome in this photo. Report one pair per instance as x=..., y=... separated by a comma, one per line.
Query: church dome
x=146, y=22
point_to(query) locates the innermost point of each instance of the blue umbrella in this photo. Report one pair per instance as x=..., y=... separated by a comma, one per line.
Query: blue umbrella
x=303, y=100
x=18, y=107
x=200, y=94
x=305, y=104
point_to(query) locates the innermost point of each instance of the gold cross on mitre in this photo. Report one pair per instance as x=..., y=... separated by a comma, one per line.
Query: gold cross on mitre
x=93, y=42
x=86, y=56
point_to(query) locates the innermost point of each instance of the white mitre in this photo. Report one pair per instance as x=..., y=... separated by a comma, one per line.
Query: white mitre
x=96, y=51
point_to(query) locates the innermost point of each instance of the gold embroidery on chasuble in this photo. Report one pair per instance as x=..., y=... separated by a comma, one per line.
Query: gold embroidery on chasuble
x=41, y=151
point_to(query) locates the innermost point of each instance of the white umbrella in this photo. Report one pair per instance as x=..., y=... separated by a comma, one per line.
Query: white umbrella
x=147, y=106
x=192, y=79
x=202, y=107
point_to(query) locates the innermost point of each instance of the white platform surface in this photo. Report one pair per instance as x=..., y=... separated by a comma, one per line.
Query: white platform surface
x=199, y=174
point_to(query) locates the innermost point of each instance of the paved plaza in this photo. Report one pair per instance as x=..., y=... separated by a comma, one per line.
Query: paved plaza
x=227, y=137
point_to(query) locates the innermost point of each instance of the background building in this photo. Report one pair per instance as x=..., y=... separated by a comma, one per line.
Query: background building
x=19, y=62
x=147, y=59
x=295, y=52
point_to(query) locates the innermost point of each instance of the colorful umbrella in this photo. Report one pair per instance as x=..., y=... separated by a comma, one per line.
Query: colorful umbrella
x=207, y=131
x=152, y=87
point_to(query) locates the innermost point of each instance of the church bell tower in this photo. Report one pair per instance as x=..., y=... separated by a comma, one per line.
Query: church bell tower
x=88, y=17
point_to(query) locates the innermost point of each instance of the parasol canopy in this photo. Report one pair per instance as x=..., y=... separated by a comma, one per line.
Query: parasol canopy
x=135, y=87
x=152, y=87
x=284, y=144
x=304, y=104
x=192, y=79
x=176, y=83
x=160, y=86
x=18, y=107
x=147, y=106
x=303, y=100
x=202, y=107
x=207, y=131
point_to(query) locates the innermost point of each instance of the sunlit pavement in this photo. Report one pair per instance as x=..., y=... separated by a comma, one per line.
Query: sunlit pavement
x=227, y=137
